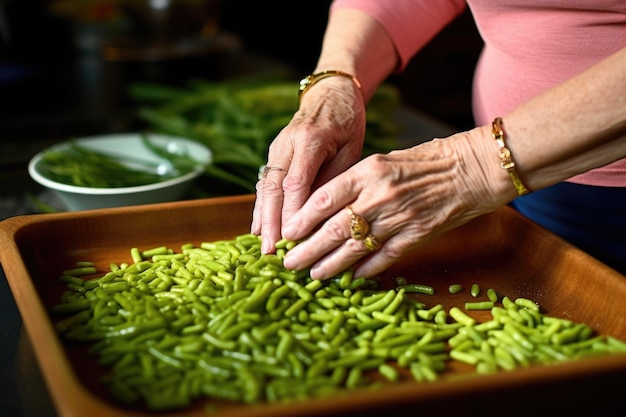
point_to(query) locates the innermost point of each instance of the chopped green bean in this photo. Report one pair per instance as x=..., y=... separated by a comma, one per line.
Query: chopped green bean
x=455, y=288
x=135, y=255
x=464, y=357
x=526, y=303
x=400, y=281
x=379, y=304
x=458, y=315
x=417, y=288
x=389, y=372
x=80, y=270
x=475, y=290
x=479, y=305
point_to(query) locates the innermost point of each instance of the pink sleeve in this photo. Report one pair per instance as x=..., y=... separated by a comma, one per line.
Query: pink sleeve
x=410, y=23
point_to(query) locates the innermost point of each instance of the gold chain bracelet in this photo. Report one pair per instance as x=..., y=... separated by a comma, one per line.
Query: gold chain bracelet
x=506, y=159
x=310, y=80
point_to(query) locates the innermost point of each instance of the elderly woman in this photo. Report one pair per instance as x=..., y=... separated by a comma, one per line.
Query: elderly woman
x=550, y=138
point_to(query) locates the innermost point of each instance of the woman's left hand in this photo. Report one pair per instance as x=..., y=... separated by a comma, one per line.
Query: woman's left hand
x=406, y=197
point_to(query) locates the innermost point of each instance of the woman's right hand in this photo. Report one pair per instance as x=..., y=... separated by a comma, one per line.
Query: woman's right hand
x=323, y=139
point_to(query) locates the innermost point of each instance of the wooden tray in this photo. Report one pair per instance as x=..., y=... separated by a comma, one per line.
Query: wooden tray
x=501, y=250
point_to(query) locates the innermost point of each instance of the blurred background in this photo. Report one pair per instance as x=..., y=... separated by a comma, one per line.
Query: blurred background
x=65, y=65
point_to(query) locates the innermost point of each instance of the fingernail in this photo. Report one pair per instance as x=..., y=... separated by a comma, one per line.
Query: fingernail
x=287, y=230
x=314, y=274
x=289, y=262
x=266, y=246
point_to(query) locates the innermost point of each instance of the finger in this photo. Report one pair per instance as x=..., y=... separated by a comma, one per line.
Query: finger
x=354, y=253
x=322, y=204
x=271, y=204
x=297, y=185
x=255, y=226
x=334, y=247
x=329, y=237
x=297, y=188
x=344, y=257
x=388, y=254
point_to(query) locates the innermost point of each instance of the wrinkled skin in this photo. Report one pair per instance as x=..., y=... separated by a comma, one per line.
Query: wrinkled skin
x=323, y=139
x=408, y=196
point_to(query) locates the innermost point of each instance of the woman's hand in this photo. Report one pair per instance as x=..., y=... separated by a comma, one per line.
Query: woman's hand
x=323, y=139
x=407, y=197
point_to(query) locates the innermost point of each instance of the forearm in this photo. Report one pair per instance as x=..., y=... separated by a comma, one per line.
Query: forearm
x=572, y=128
x=357, y=44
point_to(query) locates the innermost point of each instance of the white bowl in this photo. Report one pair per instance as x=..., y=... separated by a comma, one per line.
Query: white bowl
x=85, y=198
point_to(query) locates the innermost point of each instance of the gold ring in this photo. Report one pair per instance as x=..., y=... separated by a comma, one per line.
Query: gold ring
x=359, y=227
x=264, y=170
x=359, y=230
x=371, y=243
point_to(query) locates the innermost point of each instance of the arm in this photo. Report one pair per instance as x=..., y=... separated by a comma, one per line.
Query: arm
x=357, y=44
x=572, y=128
x=413, y=195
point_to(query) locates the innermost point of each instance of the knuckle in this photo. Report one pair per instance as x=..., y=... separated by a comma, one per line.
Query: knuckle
x=376, y=161
x=271, y=187
x=335, y=231
x=381, y=166
x=294, y=182
x=391, y=252
x=325, y=200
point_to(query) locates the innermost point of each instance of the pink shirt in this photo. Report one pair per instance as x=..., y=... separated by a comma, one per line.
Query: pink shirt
x=530, y=46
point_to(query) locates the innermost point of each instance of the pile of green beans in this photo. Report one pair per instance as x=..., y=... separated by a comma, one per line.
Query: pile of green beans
x=223, y=321
x=519, y=335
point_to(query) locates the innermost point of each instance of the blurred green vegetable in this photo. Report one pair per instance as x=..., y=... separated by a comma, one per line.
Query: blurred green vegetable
x=238, y=118
x=81, y=166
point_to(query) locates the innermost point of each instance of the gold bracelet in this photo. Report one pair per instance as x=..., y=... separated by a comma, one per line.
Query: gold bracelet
x=506, y=159
x=310, y=80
